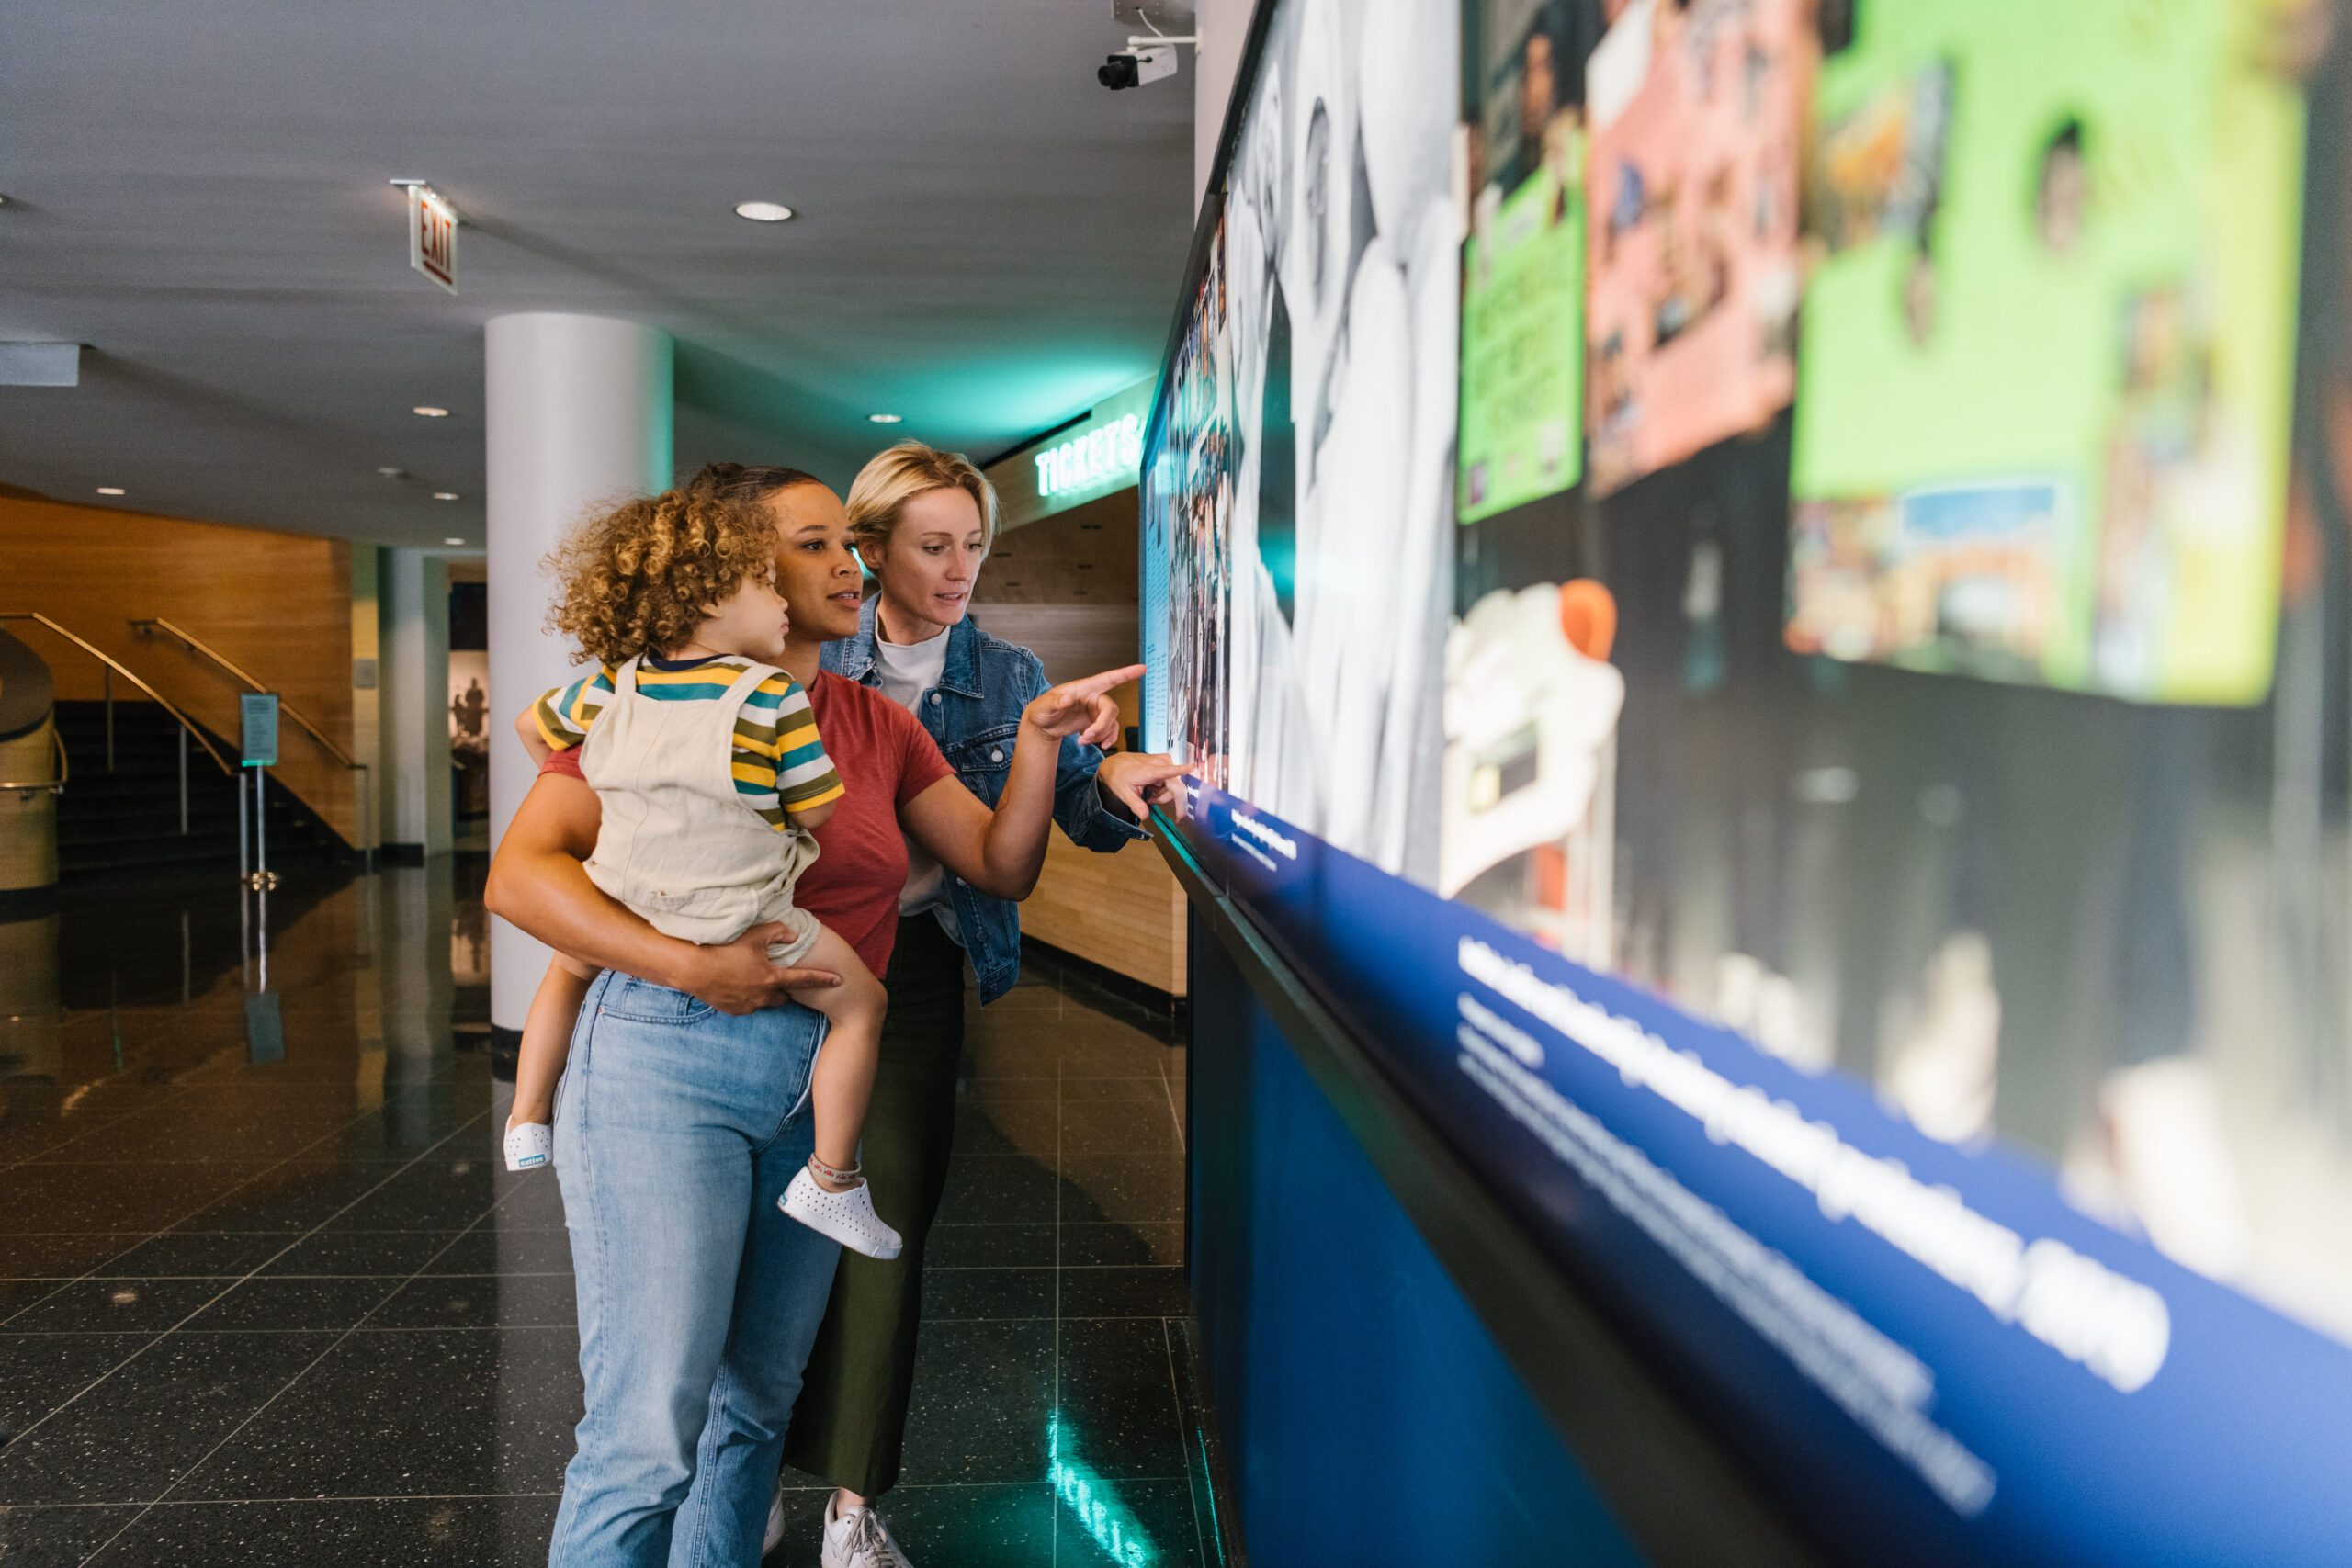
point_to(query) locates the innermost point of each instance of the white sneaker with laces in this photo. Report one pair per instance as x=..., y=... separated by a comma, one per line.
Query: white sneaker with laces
x=848, y=1217
x=529, y=1144
x=859, y=1538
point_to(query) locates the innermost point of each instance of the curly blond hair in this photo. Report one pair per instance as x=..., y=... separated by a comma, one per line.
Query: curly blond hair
x=641, y=578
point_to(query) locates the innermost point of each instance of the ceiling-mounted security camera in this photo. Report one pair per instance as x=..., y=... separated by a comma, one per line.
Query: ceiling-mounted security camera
x=1146, y=60
x=1136, y=67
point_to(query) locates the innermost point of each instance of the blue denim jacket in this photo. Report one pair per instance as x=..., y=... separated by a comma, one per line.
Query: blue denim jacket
x=974, y=714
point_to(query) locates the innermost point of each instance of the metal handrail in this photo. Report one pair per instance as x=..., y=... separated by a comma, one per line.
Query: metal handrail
x=196, y=645
x=120, y=669
x=365, y=790
x=55, y=785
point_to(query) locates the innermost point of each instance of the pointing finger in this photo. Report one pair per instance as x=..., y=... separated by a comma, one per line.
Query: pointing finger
x=1095, y=685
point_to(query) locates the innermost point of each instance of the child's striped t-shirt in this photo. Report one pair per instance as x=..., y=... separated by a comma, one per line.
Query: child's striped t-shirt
x=779, y=762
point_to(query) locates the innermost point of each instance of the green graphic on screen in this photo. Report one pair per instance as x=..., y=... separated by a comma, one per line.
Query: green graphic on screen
x=1521, y=419
x=1522, y=346
x=2047, y=352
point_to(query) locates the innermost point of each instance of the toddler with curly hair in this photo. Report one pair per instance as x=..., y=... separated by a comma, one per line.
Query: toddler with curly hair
x=712, y=777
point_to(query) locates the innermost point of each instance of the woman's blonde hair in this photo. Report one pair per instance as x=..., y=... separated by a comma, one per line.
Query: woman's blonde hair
x=895, y=476
x=641, y=578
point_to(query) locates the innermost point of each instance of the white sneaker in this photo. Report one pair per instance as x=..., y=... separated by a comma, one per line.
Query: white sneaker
x=773, y=1536
x=848, y=1217
x=529, y=1144
x=859, y=1538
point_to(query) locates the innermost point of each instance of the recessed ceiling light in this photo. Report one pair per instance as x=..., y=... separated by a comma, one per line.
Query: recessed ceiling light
x=445, y=495
x=762, y=211
x=452, y=541
x=109, y=489
x=888, y=418
x=426, y=411
x=391, y=473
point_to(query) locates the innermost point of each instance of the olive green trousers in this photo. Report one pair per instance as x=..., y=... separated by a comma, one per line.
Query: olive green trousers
x=850, y=1421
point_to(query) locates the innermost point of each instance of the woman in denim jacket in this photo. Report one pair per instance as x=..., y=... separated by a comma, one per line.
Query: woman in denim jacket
x=923, y=521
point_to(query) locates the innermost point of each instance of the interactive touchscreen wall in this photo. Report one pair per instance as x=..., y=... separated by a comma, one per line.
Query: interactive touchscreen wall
x=1302, y=470
x=1798, y=525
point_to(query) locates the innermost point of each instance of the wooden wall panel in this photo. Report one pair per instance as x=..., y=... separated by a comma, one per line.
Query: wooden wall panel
x=278, y=604
x=1085, y=555
x=1071, y=639
x=1124, y=911
x=1066, y=588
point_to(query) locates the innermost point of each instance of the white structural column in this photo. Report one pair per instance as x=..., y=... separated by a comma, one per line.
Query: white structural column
x=577, y=413
x=1222, y=26
x=413, y=665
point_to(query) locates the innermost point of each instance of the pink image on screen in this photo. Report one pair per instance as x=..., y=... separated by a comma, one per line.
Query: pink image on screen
x=1693, y=197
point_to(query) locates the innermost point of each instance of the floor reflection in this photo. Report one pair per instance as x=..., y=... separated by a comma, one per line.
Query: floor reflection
x=267, y=1296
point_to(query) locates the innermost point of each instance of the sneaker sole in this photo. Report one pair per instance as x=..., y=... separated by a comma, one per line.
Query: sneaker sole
x=850, y=1241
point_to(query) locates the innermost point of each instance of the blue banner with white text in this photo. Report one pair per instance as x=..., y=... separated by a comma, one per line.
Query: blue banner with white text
x=1927, y=1355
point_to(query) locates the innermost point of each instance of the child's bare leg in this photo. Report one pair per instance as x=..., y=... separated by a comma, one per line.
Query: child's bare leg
x=841, y=1085
x=546, y=1039
x=844, y=1073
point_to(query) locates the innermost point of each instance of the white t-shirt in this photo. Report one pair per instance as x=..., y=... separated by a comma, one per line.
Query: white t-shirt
x=907, y=672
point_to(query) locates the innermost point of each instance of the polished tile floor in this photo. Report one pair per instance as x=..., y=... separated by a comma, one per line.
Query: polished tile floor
x=266, y=1297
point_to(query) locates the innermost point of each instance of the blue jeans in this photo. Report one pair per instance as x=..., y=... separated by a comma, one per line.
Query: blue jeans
x=676, y=1130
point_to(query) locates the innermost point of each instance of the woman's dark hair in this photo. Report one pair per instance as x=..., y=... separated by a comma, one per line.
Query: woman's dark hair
x=738, y=482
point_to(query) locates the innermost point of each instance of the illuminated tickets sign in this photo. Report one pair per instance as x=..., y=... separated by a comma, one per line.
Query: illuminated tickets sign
x=1103, y=457
x=1098, y=456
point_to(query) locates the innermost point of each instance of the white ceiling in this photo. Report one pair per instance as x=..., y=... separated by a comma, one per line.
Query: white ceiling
x=196, y=191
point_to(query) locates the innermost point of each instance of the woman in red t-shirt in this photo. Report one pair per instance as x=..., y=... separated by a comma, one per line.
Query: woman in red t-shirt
x=727, y=1329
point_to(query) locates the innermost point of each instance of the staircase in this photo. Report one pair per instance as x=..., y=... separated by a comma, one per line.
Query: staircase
x=128, y=818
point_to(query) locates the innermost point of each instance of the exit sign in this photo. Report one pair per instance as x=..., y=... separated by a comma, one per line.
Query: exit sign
x=433, y=235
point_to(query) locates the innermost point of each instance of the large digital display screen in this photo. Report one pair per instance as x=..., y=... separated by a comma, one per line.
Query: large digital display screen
x=1186, y=518
x=1909, y=679
x=1318, y=533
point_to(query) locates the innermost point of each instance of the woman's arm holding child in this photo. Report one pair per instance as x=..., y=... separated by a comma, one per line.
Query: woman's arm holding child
x=537, y=880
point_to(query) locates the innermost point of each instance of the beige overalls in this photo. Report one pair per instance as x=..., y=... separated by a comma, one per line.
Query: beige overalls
x=679, y=845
